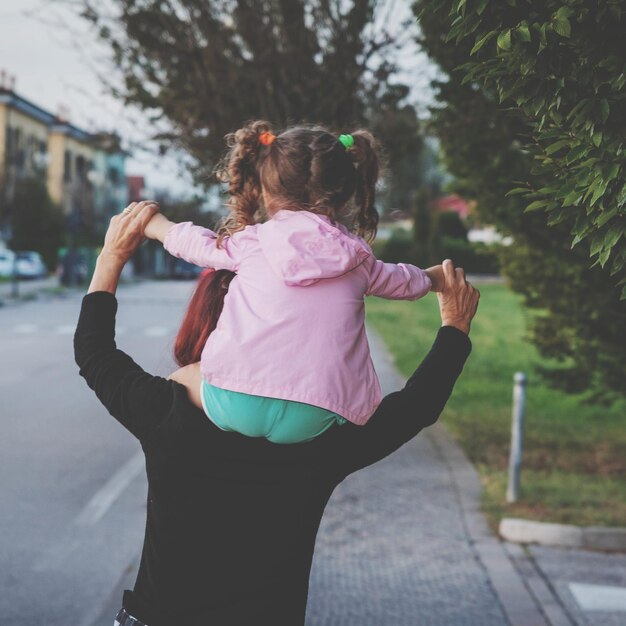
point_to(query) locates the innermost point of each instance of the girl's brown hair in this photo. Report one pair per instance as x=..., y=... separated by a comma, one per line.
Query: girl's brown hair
x=303, y=168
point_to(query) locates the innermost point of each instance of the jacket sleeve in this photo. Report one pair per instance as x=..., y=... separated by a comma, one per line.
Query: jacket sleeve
x=402, y=414
x=397, y=281
x=198, y=245
x=139, y=401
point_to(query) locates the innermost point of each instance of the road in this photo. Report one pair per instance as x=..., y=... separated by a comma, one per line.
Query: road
x=72, y=489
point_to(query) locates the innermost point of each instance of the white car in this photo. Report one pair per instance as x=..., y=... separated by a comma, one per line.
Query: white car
x=29, y=264
x=6, y=262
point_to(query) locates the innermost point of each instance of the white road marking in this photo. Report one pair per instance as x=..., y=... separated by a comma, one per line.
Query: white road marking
x=56, y=555
x=25, y=329
x=111, y=490
x=599, y=597
x=155, y=331
x=66, y=329
x=70, y=329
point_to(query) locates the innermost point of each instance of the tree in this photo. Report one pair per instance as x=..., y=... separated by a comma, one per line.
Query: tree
x=425, y=233
x=581, y=321
x=397, y=125
x=206, y=67
x=36, y=222
x=561, y=64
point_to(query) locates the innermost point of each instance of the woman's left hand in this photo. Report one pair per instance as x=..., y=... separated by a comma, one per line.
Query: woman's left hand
x=126, y=230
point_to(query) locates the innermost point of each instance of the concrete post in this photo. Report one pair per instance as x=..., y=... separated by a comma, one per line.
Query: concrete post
x=517, y=437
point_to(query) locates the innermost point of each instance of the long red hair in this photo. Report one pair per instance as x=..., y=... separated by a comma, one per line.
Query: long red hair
x=202, y=314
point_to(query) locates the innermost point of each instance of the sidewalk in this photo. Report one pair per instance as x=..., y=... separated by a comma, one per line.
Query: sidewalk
x=399, y=545
x=27, y=288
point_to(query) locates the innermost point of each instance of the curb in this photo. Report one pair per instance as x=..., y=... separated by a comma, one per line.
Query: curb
x=606, y=539
x=516, y=600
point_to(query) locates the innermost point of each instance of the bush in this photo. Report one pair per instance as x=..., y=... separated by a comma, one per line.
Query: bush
x=490, y=147
x=561, y=66
x=399, y=248
x=474, y=258
x=450, y=225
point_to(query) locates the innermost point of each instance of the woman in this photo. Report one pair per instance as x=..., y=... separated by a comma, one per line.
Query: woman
x=232, y=520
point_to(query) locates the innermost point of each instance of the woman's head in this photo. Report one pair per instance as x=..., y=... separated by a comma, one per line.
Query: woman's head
x=205, y=308
x=302, y=168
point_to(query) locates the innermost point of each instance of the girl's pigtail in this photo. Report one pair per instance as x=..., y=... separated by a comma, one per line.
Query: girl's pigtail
x=239, y=169
x=365, y=158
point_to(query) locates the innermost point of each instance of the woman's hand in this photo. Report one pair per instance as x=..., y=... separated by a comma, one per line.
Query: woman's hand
x=458, y=300
x=126, y=230
x=124, y=235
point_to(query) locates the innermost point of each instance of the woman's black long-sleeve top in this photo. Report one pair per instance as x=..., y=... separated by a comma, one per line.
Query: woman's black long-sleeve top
x=231, y=520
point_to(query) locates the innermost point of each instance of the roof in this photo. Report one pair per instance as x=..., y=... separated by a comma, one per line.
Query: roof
x=10, y=98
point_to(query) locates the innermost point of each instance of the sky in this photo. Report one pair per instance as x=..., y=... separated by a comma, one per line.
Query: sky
x=53, y=57
x=55, y=61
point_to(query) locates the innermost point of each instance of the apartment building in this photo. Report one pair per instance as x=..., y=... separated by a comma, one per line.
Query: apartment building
x=84, y=172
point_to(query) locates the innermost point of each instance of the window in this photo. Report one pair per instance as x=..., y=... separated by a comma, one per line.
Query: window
x=67, y=166
x=80, y=167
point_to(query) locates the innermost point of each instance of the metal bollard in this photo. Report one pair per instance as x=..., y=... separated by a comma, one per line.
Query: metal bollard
x=517, y=437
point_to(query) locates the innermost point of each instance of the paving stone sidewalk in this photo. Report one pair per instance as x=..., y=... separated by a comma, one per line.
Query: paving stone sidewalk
x=403, y=543
x=393, y=549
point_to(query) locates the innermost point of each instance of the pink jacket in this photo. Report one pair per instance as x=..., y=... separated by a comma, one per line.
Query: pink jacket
x=292, y=326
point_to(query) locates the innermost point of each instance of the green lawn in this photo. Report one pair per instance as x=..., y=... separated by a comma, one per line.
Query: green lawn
x=574, y=453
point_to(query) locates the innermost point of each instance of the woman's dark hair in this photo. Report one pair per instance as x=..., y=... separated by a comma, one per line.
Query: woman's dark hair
x=303, y=168
x=202, y=314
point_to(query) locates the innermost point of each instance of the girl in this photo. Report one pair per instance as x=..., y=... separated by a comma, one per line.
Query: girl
x=289, y=356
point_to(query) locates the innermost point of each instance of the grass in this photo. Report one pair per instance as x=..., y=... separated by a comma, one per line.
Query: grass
x=574, y=453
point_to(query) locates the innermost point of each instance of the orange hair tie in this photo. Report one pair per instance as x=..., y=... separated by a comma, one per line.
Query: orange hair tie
x=266, y=138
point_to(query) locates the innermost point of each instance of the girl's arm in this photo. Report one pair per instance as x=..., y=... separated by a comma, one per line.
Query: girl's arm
x=400, y=281
x=196, y=244
x=157, y=227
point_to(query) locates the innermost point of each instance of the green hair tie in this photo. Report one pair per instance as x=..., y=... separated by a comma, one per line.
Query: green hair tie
x=347, y=141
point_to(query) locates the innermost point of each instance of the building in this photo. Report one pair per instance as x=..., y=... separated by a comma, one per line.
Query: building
x=23, y=147
x=84, y=172
x=136, y=188
x=70, y=159
x=454, y=203
x=108, y=178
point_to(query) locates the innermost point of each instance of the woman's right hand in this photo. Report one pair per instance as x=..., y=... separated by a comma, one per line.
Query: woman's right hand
x=458, y=300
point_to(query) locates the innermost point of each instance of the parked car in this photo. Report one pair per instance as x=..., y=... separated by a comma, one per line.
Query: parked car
x=29, y=264
x=6, y=263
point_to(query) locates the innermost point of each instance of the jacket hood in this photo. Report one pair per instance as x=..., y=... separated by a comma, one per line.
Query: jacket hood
x=303, y=247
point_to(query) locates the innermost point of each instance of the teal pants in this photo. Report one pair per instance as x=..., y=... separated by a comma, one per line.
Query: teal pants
x=280, y=421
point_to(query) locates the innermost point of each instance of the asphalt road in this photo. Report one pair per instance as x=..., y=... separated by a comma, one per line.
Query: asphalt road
x=72, y=487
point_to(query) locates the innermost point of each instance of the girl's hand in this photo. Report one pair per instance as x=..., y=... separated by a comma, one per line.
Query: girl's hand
x=437, y=277
x=157, y=227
